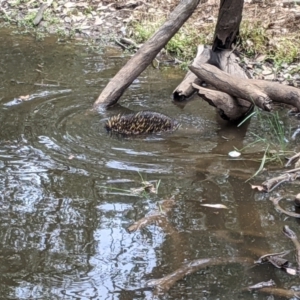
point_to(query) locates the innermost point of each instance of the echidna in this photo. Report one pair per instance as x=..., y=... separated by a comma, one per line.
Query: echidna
x=143, y=122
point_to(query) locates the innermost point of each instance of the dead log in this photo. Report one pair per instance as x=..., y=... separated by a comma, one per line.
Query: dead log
x=185, y=89
x=144, y=56
x=226, y=33
x=259, y=92
x=229, y=63
x=229, y=108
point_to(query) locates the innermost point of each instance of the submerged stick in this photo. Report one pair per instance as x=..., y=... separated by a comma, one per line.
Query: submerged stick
x=278, y=292
x=229, y=108
x=157, y=217
x=279, y=208
x=270, y=184
x=162, y=285
x=292, y=235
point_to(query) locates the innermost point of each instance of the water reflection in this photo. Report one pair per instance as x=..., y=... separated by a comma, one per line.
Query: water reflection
x=64, y=182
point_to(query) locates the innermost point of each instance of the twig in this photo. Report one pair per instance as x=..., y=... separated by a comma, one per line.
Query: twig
x=162, y=285
x=277, y=206
x=292, y=235
x=270, y=184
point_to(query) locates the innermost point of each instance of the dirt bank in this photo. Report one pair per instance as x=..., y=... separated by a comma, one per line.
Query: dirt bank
x=270, y=29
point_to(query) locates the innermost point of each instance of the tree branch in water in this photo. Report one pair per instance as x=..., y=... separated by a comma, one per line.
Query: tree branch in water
x=162, y=285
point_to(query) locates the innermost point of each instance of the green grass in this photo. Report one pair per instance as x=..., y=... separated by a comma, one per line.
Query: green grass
x=184, y=43
x=286, y=50
x=273, y=138
x=253, y=37
x=254, y=40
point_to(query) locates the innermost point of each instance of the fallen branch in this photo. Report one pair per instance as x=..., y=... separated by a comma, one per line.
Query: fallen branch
x=234, y=86
x=162, y=285
x=272, y=183
x=293, y=159
x=259, y=92
x=143, y=57
x=158, y=217
x=275, y=201
x=293, y=237
x=185, y=89
x=228, y=108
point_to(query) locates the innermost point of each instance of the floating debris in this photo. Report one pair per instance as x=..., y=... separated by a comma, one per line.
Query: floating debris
x=234, y=154
x=219, y=206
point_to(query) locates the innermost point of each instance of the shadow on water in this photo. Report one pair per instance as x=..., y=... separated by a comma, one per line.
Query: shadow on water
x=63, y=229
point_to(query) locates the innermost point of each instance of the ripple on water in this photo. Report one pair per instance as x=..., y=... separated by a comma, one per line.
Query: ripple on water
x=61, y=225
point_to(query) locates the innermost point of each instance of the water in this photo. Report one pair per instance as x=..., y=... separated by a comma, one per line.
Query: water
x=65, y=208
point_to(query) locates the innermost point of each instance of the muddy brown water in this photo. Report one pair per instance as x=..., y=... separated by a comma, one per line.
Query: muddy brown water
x=64, y=206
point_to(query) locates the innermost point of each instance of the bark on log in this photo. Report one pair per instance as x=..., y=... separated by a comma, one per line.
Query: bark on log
x=139, y=62
x=185, y=89
x=228, y=62
x=259, y=92
x=228, y=108
x=226, y=32
x=227, y=28
x=224, y=60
